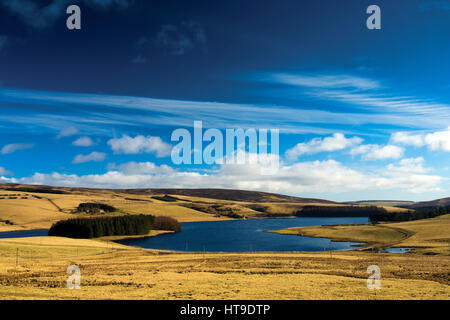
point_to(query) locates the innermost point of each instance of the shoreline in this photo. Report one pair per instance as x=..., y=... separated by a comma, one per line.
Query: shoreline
x=327, y=232
x=152, y=233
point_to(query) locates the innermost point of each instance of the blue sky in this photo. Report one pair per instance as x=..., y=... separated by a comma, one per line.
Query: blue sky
x=362, y=114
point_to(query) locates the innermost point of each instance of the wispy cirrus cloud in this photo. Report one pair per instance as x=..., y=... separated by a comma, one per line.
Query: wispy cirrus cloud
x=42, y=14
x=364, y=93
x=13, y=147
x=97, y=113
x=67, y=132
x=324, y=81
x=181, y=39
x=4, y=172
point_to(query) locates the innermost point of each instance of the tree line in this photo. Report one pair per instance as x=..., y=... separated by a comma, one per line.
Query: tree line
x=102, y=226
x=93, y=227
x=166, y=223
x=339, y=211
x=409, y=215
x=92, y=207
x=37, y=190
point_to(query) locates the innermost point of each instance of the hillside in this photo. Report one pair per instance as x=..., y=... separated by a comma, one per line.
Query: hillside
x=35, y=207
x=220, y=194
x=444, y=202
x=228, y=194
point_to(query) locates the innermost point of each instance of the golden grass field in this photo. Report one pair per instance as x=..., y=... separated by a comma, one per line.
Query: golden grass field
x=35, y=268
x=427, y=235
x=129, y=273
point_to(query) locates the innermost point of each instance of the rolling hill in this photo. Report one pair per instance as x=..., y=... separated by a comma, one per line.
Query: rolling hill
x=36, y=206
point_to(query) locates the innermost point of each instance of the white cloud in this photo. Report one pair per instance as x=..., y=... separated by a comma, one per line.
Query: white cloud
x=325, y=81
x=416, y=140
x=303, y=177
x=140, y=144
x=377, y=152
x=4, y=172
x=13, y=147
x=336, y=142
x=409, y=174
x=411, y=165
x=67, y=132
x=93, y=156
x=83, y=142
x=436, y=141
x=141, y=168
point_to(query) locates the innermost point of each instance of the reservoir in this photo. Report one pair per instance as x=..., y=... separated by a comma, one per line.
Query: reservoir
x=24, y=233
x=245, y=236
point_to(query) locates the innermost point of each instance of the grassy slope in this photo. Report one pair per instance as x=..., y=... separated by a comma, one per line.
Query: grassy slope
x=356, y=233
x=432, y=234
x=148, y=274
x=121, y=272
x=41, y=210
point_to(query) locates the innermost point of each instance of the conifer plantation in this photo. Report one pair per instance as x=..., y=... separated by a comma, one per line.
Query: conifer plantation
x=102, y=226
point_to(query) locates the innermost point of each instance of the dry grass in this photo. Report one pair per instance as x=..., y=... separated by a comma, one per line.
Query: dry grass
x=427, y=233
x=114, y=271
x=430, y=235
x=42, y=212
x=355, y=233
x=149, y=274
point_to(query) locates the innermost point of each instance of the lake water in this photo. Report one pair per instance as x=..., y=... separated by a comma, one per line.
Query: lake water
x=245, y=236
x=397, y=250
x=24, y=233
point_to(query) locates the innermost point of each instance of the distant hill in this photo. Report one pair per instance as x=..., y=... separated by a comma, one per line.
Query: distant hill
x=228, y=194
x=444, y=202
x=383, y=203
x=38, y=207
x=219, y=194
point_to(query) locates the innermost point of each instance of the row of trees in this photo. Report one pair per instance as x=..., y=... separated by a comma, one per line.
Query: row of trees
x=340, y=211
x=93, y=208
x=102, y=226
x=166, y=198
x=93, y=227
x=37, y=190
x=166, y=223
x=409, y=215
